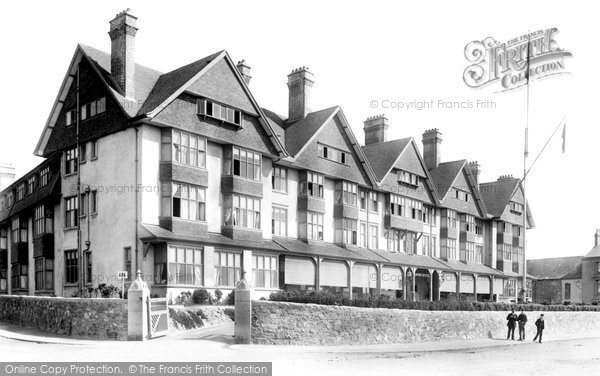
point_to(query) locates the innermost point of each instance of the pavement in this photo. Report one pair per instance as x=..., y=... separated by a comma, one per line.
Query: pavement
x=224, y=334
x=557, y=356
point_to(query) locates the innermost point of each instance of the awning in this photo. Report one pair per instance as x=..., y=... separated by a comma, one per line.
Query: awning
x=391, y=278
x=364, y=275
x=299, y=271
x=333, y=273
x=483, y=285
x=467, y=284
x=448, y=282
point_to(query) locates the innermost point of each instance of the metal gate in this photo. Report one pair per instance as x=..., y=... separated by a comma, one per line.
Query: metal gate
x=158, y=317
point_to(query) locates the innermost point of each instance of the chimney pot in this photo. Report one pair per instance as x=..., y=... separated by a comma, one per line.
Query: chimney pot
x=123, y=29
x=432, y=139
x=375, y=128
x=300, y=84
x=597, y=237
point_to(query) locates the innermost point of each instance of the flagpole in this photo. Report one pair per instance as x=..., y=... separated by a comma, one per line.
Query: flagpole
x=525, y=155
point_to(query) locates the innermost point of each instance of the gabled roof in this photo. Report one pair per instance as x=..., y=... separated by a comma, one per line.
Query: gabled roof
x=145, y=79
x=497, y=194
x=445, y=174
x=153, y=90
x=555, y=268
x=299, y=134
x=383, y=155
x=169, y=83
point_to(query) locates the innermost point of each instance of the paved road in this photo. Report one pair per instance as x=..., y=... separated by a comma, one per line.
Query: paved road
x=488, y=357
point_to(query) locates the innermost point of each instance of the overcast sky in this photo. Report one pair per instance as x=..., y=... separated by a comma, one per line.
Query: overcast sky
x=376, y=51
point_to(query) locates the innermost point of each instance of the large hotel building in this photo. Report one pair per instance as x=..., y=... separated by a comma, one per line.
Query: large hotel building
x=184, y=176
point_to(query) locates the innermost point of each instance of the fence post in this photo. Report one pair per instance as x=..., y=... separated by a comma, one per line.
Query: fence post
x=243, y=312
x=137, y=310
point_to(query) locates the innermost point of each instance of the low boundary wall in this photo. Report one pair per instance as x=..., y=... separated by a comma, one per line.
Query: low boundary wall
x=310, y=324
x=73, y=317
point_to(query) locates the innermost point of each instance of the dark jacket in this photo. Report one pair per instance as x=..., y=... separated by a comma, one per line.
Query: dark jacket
x=522, y=318
x=512, y=319
x=540, y=324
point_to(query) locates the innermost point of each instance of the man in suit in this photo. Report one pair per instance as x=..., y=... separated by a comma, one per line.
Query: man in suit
x=512, y=321
x=540, y=328
x=522, y=319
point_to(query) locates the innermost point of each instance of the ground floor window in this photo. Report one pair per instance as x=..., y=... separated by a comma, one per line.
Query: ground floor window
x=264, y=272
x=510, y=287
x=44, y=274
x=19, y=276
x=71, y=267
x=3, y=279
x=184, y=266
x=598, y=287
x=87, y=264
x=228, y=268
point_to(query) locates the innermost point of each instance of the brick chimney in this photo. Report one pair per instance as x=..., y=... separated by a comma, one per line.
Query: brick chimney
x=376, y=129
x=300, y=84
x=597, y=237
x=244, y=70
x=475, y=170
x=432, y=138
x=122, y=54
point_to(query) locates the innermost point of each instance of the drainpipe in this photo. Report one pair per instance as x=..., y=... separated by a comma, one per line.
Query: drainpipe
x=136, y=197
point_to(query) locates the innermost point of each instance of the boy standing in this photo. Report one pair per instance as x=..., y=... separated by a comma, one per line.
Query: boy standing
x=540, y=327
x=522, y=321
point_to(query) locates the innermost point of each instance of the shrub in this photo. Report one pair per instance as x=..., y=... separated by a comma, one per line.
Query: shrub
x=218, y=296
x=385, y=301
x=201, y=296
x=231, y=298
x=183, y=298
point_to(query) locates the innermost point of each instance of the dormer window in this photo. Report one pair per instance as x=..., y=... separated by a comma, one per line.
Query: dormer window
x=218, y=111
x=87, y=111
x=44, y=175
x=407, y=178
x=20, y=191
x=31, y=185
x=461, y=195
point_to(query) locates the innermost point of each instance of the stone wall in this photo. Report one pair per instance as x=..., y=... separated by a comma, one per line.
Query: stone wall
x=310, y=324
x=73, y=317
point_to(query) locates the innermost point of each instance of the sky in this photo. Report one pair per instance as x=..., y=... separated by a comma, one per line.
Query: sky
x=364, y=57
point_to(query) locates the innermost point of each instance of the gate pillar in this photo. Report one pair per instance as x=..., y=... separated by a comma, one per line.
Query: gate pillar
x=243, y=312
x=137, y=309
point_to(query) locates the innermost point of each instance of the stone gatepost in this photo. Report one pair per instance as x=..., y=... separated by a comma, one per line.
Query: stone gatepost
x=243, y=312
x=137, y=309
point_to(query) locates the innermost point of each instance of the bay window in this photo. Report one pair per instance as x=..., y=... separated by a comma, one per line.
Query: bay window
x=448, y=248
x=449, y=218
x=346, y=231
x=242, y=211
x=185, y=148
x=397, y=205
x=346, y=193
x=314, y=226
x=184, y=266
x=19, y=230
x=243, y=163
x=19, y=273
x=313, y=186
x=184, y=201
x=43, y=221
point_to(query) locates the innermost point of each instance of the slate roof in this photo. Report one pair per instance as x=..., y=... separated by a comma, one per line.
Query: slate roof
x=555, y=268
x=168, y=83
x=50, y=190
x=595, y=252
x=145, y=79
x=299, y=133
x=318, y=248
x=496, y=195
x=383, y=155
x=444, y=175
x=157, y=233
x=471, y=268
x=411, y=260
